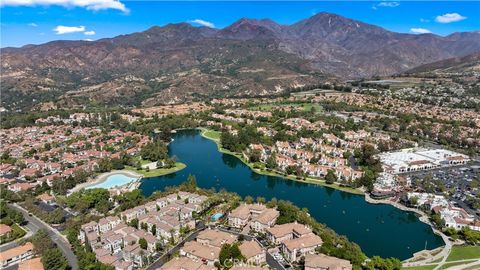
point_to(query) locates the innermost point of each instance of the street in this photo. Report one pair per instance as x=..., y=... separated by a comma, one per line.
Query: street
x=164, y=258
x=35, y=224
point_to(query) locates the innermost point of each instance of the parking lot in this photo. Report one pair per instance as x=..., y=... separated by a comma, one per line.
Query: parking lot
x=456, y=180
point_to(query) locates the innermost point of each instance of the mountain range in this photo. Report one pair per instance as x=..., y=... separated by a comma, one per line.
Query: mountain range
x=181, y=62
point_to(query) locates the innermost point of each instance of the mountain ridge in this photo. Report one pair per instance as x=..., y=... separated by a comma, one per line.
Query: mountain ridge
x=180, y=62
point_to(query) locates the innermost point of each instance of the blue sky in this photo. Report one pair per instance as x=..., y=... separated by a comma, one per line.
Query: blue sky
x=40, y=21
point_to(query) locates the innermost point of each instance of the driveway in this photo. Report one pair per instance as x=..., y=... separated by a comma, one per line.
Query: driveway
x=35, y=224
x=273, y=263
x=165, y=257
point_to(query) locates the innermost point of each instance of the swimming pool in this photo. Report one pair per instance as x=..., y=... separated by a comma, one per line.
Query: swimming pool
x=217, y=216
x=114, y=180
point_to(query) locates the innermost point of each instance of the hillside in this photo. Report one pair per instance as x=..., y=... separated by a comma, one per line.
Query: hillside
x=464, y=64
x=180, y=62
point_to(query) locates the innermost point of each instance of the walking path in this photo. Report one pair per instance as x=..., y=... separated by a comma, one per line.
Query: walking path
x=463, y=266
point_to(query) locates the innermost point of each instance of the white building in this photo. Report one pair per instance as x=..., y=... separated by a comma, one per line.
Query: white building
x=16, y=255
x=431, y=200
x=416, y=159
x=458, y=218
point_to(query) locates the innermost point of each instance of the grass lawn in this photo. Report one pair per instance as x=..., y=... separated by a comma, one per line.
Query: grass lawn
x=17, y=232
x=438, y=260
x=212, y=134
x=447, y=265
x=142, y=161
x=474, y=267
x=424, y=267
x=157, y=172
x=464, y=253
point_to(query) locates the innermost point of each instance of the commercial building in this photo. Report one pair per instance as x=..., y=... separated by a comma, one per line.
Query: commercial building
x=417, y=159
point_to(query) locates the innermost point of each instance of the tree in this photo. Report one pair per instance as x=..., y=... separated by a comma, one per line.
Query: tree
x=255, y=155
x=42, y=242
x=191, y=184
x=134, y=223
x=367, y=179
x=413, y=200
x=154, y=151
x=169, y=163
x=117, y=164
x=104, y=165
x=154, y=229
x=261, y=200
x=143, y=243
x=331, y=177
x=158, y=246
x=53, y=259
x=271, y=162
x=230, y=253
x=378, y=263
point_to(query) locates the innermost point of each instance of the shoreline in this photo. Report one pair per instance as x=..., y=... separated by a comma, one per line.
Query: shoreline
x=156, y=172
x=422, y=215
x=308, y=180
x=99, y=179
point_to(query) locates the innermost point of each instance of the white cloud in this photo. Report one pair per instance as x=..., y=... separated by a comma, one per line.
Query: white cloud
x=420, y=31
x=202, y=22
x=88, y=4
x=88, y=39
x=89, y=33
x=449, y=17
x=388, y=4
x=33, y=24
x=424, y=20
x=61, y=29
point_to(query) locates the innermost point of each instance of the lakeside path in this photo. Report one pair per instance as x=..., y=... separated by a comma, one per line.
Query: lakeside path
x=103, y=177
x=211, y=135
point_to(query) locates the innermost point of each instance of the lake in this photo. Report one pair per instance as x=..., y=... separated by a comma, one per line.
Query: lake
x=379, y=229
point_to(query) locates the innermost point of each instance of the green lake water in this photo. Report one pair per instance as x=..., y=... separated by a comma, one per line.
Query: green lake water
x=379, y=229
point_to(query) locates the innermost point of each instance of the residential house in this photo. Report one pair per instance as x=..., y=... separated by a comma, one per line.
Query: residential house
x=15, y=255
x=253, y=252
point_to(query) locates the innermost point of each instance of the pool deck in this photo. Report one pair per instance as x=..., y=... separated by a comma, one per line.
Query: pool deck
x=103, y=177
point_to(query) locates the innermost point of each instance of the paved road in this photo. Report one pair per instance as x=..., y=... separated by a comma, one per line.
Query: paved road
x=165, y=257
x=273, y=263
x=35, y=224
x=30, y=229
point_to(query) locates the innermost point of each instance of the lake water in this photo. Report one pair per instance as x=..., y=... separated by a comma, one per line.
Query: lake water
x=113, y=180
x=379, y=229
